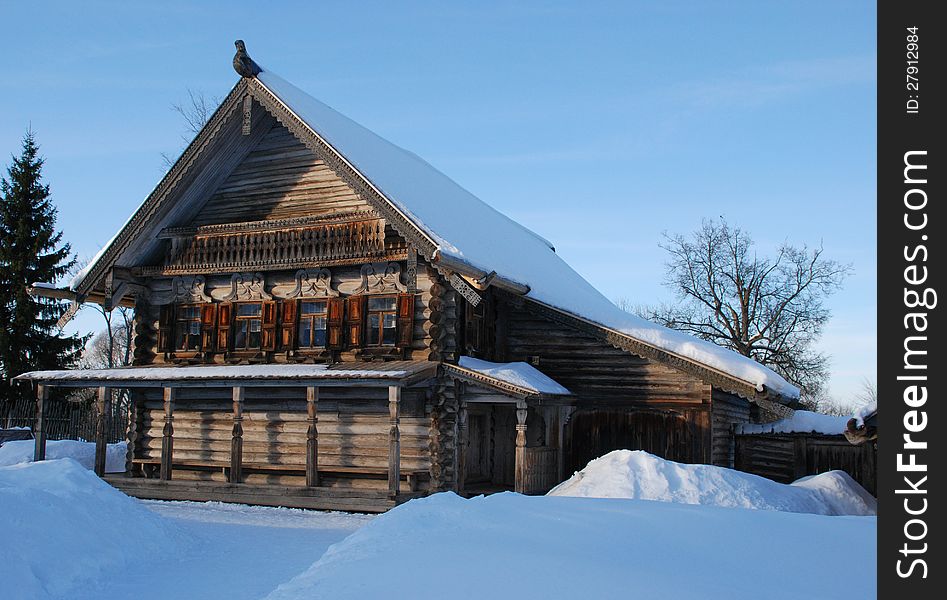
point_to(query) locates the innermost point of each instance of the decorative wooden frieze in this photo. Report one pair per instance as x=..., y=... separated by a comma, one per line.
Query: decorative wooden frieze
x=273, y=245
x=463, y=288
x=381, y=278
x=247, y=287
x=411, y=274
x=313, y=283
x=247, y=114
x=190, y=288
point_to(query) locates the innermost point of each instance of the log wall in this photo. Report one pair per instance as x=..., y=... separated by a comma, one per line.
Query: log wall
x=727, y=409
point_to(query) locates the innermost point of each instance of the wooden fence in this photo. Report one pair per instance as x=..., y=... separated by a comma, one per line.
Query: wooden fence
x=785, y=457
x=542, y=469
x=70, y=419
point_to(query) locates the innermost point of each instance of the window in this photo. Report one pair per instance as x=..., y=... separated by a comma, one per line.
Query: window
x=247, y=326
x=382, y=320
x=313, y=316
x=187, y=328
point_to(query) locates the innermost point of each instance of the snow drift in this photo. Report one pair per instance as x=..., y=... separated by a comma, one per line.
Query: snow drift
x=513, y=546
x=21, y=451
x=801, y=421
x=643, y=476
x=62, y=525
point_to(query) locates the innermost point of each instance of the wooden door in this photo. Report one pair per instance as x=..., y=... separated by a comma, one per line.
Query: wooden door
x=478, y=449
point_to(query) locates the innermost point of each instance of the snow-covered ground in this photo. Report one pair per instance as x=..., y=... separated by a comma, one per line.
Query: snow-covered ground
x=21, y=451
x=68, y=534
x=513, y=546
x=643, y=476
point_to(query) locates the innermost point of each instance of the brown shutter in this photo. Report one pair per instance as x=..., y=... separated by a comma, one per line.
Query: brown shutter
x=224, y=312
x=165, y=325
x=334, y=324
x=287, y=325
x=354, y=321
x=269, y=325
x=405, y=320
x=208, y=326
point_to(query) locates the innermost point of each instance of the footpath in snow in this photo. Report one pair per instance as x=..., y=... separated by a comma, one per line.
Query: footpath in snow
x=643, y=476
x=513, y=546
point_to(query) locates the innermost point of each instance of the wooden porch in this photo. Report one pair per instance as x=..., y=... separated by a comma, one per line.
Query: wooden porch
x=335, y=486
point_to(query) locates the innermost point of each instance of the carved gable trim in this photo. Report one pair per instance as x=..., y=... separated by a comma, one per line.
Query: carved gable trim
x=247, y=287
x=313, y=283
x=189, y=288
x=380, y=278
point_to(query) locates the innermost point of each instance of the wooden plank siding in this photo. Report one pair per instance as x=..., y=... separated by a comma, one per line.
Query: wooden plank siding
x=353, y=431
x=787, y=457
x=279, y=179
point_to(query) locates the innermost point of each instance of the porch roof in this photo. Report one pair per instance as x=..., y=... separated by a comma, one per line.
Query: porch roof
x=505, y=388
x=359, y=374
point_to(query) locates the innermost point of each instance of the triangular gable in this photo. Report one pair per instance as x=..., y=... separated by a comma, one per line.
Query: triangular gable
x=447, y=225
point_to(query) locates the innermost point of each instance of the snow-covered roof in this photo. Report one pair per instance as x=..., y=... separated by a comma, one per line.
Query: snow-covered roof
x=802, y=421
x=462, y=228
x=519, y=374
x=467, y=229
x=383, y=373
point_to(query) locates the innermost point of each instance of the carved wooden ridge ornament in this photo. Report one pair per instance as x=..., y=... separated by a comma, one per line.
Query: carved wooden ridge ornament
x=247, y=286
x=189, y=288
x=380, y=278
x=463, y=288
x=311, y=283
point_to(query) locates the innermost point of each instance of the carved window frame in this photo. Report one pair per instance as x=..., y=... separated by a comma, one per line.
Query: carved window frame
x=177, y=320
x=237, y=319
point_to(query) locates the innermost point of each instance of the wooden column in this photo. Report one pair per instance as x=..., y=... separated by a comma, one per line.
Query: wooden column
x=519, y=483
x=312, y=436
x=463, y=434
x=103, y=407
x=394, y=441
x=167, y=441
x=236, y=442
x=39, y=429
x=131, y=433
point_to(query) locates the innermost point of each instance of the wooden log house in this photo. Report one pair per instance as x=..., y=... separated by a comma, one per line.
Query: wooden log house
x=308, y=300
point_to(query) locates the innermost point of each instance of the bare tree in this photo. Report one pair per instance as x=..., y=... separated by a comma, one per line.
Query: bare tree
x=769, y=309
x=195, y=111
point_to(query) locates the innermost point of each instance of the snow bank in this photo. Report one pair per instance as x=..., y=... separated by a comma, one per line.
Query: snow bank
x=802, y=421
x=513, y=546
x=62, y=525
x=516, y=373
x=643, y=476
x=864, y=412
x=21, y=451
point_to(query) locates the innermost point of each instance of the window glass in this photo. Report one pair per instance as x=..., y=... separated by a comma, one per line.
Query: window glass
x=312, y=323
x=382, y=321
x=187, y=328
x=247, y=326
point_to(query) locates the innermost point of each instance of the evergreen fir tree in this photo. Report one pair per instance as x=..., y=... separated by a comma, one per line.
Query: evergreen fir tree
x=31, y=250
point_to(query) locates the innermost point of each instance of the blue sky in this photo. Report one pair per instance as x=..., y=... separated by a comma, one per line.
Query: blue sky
x=599, y=125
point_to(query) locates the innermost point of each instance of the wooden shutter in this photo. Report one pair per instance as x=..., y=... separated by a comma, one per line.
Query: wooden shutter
x=354, y=321
x=165, y=326
x=269, y=326
x=405, y=320
x=224, y=312
x=208, y=326
x=334, y=338
x=287, y=324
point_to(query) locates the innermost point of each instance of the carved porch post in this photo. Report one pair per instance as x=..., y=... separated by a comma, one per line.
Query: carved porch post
x=312, y=437
x=236, y=442
x=103, y=408
x=519, y=483
x=463, y=434
x=39, y=429
x=167, y=441
x=131, y=433
x=394, y=441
